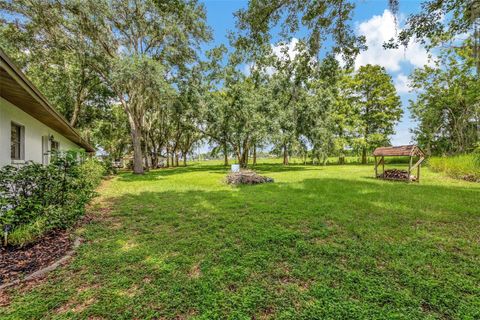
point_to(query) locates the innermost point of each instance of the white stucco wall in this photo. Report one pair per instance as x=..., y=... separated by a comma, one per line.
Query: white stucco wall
x=34, y=130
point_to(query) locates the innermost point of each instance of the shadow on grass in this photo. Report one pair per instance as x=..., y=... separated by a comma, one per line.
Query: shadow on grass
x=273, y=245
x=157, y=174
x=319, y=248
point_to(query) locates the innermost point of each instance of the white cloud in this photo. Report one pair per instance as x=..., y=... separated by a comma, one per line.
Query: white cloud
x=284, y=50
x=380, y=29
x=402, y=83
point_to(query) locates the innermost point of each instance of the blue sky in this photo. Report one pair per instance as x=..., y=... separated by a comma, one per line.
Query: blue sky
x=373, y=20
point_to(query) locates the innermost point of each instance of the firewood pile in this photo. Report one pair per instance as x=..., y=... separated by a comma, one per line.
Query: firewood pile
x=396, y=174
x=246, y=177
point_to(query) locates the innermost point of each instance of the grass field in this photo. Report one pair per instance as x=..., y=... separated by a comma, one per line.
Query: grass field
x=319, y=243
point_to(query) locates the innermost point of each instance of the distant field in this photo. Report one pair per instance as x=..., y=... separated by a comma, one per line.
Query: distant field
x=321, y=242
x=293, y=160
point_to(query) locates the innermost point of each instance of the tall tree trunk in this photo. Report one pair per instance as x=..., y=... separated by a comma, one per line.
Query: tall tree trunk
x=136, y=135
x=146, y=156
x=341, y=159
x=176, y=159
x=244, y=162
x=155, y=157
x=172, y=154
x=184, y=154
x=364, y=155
x=254, y=154
x=285, y=155
x=76, y=113
x=225, y=154
x=239, y=157
x=167, y=151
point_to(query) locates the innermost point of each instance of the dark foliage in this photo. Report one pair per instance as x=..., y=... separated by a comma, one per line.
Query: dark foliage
x=35, y=198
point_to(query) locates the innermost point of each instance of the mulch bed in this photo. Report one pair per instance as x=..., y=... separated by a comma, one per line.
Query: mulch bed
x=16, y=263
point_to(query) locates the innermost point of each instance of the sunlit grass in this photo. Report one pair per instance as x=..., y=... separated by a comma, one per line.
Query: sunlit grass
x=320, y=242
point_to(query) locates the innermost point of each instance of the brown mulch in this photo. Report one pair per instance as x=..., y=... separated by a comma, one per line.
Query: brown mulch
x=16, y=263
x=246, y=177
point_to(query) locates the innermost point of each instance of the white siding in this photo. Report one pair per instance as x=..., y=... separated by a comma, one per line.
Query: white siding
x=34, y=130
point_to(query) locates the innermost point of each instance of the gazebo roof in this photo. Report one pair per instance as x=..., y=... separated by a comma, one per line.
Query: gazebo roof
x=410, y=150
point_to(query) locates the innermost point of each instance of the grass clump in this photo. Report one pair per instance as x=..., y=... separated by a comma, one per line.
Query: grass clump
x=466, y=167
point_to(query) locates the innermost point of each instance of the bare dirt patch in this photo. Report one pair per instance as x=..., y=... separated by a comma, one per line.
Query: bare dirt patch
x=195, y=272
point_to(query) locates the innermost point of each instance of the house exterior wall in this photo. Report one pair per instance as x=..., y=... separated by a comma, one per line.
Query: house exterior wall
x=34, y=130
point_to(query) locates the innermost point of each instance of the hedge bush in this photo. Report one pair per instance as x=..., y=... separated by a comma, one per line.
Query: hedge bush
x=35, y=199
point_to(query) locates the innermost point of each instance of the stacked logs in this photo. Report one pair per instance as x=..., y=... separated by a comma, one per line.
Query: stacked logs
x=396, y=174
x=246, y=177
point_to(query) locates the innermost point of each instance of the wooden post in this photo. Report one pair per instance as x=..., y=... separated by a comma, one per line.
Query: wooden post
x=410, y=168
x=418, y=173
x=376, y=164
x=383, y=166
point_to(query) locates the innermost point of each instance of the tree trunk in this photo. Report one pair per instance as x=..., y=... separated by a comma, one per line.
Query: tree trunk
x=239, y=160
x=145, y=163
x=172, y=153
x=364, y=155
x=136, y=135
x=285, y=155
x=254, y=154
x=167, y=152
x=244, y=162
x=155, y=158
x=184, y=159
x=176, y=159
x=146, y=156
x=341, y=159
x=76, y=113
x=225, y=155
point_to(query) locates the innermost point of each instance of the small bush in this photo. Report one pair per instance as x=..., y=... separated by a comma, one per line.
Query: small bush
x=464, y=167
x=35, y=199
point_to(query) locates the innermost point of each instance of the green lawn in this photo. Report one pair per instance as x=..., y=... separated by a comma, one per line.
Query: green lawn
x=319, y=243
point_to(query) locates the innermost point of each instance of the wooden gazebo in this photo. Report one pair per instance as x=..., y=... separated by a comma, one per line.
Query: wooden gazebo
x=410, y=151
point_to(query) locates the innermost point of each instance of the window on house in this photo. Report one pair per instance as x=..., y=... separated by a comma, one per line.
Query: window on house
x=54, y=146
x=16, y=142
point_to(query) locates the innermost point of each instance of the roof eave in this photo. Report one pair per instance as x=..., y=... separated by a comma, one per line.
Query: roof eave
x=23, y=81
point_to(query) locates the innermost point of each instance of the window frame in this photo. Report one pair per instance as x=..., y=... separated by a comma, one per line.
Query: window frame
x=20, y=144
x=57, y=146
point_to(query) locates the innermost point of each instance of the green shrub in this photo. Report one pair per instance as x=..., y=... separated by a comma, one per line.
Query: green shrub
x=461, y=167
x=35, y=199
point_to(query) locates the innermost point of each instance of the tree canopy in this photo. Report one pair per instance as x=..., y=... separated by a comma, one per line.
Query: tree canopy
x=131, y=76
